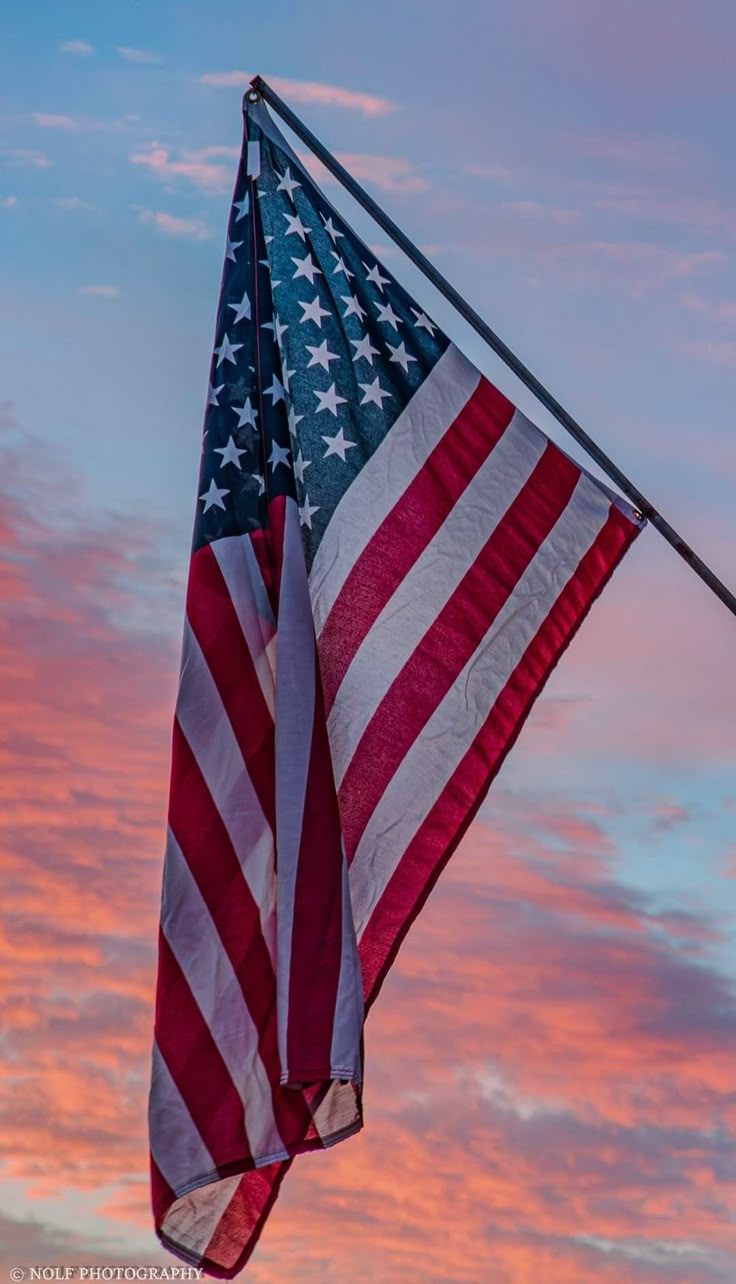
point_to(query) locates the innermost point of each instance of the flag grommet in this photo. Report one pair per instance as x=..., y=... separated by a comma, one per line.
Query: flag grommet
x=252, y=96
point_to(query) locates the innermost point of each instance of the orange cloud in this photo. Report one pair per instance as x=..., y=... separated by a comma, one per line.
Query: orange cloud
x=306, y=91
x=549, y=1090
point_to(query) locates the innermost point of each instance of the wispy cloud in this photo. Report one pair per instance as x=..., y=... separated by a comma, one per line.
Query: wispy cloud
x=137, y=55
x=49, y=120
x=191, y=229
x=76, y=47
x=637, y=266
x=719, y=311
x=29, y=158
x=389, y=173
x=72, y=203
x=7, y=202
x=537, y=209
x=631, y=150
x=200, y=167
x=307, y=91
x=497, y=173
x=716, y=352
x=102, y=291
x=646, y=202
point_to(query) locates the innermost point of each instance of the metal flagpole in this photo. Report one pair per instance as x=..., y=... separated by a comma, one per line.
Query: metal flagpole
x=260, y=87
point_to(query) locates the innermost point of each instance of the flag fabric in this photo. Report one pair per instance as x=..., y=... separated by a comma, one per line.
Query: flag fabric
x=388, y=560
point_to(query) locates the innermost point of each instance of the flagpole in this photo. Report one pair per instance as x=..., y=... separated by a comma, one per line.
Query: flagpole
x=260, y=88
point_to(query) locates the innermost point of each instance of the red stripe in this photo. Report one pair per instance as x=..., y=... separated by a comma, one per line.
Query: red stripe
x=215, y=625
x=452, y=638
x=456, y=807
x=195, y=1064
x=408, y=528
x=316, y=943
x=162, y=1196
x=261, y=544
x=203, y=838
x=237, y=1231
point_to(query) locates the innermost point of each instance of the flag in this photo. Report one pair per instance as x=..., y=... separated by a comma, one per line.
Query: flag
x=388, y=560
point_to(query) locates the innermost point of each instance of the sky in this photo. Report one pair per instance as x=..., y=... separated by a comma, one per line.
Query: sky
x=550, y=1086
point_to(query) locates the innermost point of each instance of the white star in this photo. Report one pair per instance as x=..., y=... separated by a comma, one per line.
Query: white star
x=296, y=226
x=287, y=184
x=242, y=309
x=321, y=356
x=294, y=419
x=400, y=355
x=337, y=445
x=312, y=312
x=213, y=497
x=353, y=307
x=423, y=322
x=330, y=229
x=340, y=267
x=213, y=394
x=246, y=414
x=374, y=392
x=364, y=348
x=300, y=465
x=279, y=455
x=307, y=511
x=242, y=207
x=306, y=267
x=227, y=350
x=285, y=377
x=232, y=246
x=386, y=313
x=374, y=275
x=261, y=483
x=230, y=454
x=276, y=390
x=276, y=326
x=328, y=400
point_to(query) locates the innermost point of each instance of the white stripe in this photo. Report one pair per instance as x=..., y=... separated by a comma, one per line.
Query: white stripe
x=177, y=1148
x=429, y=585
x=443, y=742
x=345, y=1050
x=242, y=574
x=191, y=932
x=191, y=1223
x=294, y=729
x=381, y=483
x=206, y=727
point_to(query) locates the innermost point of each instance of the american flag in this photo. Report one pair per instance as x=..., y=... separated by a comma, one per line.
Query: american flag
x=388, y=561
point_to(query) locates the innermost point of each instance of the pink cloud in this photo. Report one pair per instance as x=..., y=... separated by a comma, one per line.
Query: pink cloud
x=716, y=352
x=49, y=121
x=202, y=167
x=76, y=47
x=190, y=229
x=639, y=266
x=29, y=157
x=137, y=55
x=537, y=209
x=388, y=173
x=306, y=91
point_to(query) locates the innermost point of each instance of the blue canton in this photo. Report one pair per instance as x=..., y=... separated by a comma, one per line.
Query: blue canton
x=318, y=350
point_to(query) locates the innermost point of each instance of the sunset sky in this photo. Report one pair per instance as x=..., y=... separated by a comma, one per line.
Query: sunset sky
x=551, y=1066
